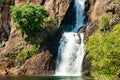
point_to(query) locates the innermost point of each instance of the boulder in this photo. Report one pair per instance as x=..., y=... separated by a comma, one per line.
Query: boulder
x=40, y=64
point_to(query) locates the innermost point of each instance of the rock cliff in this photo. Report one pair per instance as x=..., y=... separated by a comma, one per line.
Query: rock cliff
x=98, y=9
x=12, y=42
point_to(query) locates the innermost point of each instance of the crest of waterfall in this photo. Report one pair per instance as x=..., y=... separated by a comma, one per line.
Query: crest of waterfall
x=80, y=6
x=71, y=49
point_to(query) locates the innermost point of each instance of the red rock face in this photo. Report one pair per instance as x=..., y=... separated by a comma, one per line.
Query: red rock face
x=98, y=8
x=21, y=2
x=57, y=8
x=12, y=41
x=63, y=6
x=38, y=65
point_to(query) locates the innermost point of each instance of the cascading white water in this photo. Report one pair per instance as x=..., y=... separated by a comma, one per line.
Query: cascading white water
x=71, y=49
x=80, y=6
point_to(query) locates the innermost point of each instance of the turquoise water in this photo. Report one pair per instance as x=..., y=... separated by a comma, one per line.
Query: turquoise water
x=42, y=78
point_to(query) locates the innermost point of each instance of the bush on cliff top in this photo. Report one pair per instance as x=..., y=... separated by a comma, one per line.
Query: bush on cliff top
x=28, y=18
x=104, y=48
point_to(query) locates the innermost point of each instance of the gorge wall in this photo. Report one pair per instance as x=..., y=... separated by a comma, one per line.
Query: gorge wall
x=109, y=9
x=99, y=8
x=11, y=42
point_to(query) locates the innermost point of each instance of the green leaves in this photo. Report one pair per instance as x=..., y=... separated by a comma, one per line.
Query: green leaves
x=26, y=54
x=103, y=22
x=29, y=18
x=104, y=48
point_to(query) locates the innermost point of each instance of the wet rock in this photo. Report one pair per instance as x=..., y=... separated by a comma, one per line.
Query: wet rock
x=82, y=29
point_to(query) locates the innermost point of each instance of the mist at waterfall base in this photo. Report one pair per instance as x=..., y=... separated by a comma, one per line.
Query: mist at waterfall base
x=71, y=48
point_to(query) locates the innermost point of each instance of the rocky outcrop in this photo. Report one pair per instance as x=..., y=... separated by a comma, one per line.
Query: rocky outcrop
x=5, y=65
x=12, y=41
x=15, y=43
x=57, y=8
x=98, y=8
x=57, y=11
x=40, y=64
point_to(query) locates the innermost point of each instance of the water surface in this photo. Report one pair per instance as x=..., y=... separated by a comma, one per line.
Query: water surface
x=43, y=78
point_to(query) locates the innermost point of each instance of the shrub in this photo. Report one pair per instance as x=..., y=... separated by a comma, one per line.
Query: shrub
x=28, y=18
x=104, y=48
x=117, y=1
x=26, y=54
x=103, y=22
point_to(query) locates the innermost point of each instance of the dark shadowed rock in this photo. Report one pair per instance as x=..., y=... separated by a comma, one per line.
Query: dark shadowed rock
x=82, y=29
x=87, y=5
x=5, y=19
x=91, y=29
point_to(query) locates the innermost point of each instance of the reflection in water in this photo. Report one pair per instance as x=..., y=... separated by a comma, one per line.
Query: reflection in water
x=69, y=78
x=41, y=78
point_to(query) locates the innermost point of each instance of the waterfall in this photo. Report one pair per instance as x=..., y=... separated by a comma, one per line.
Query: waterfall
x=80, y=6
x=71, y=49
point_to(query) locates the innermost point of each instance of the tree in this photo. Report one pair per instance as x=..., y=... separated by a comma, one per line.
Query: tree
x=28, y=18
x=104, y=48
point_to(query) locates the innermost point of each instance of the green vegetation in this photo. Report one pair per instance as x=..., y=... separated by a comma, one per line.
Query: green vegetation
x=117, y=1
x=26, y=54
x=33, y=21
x=103, y=22
x=104, y=48
x=28, y=18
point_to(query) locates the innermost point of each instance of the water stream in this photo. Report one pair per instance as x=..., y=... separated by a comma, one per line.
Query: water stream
x=71, y=49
